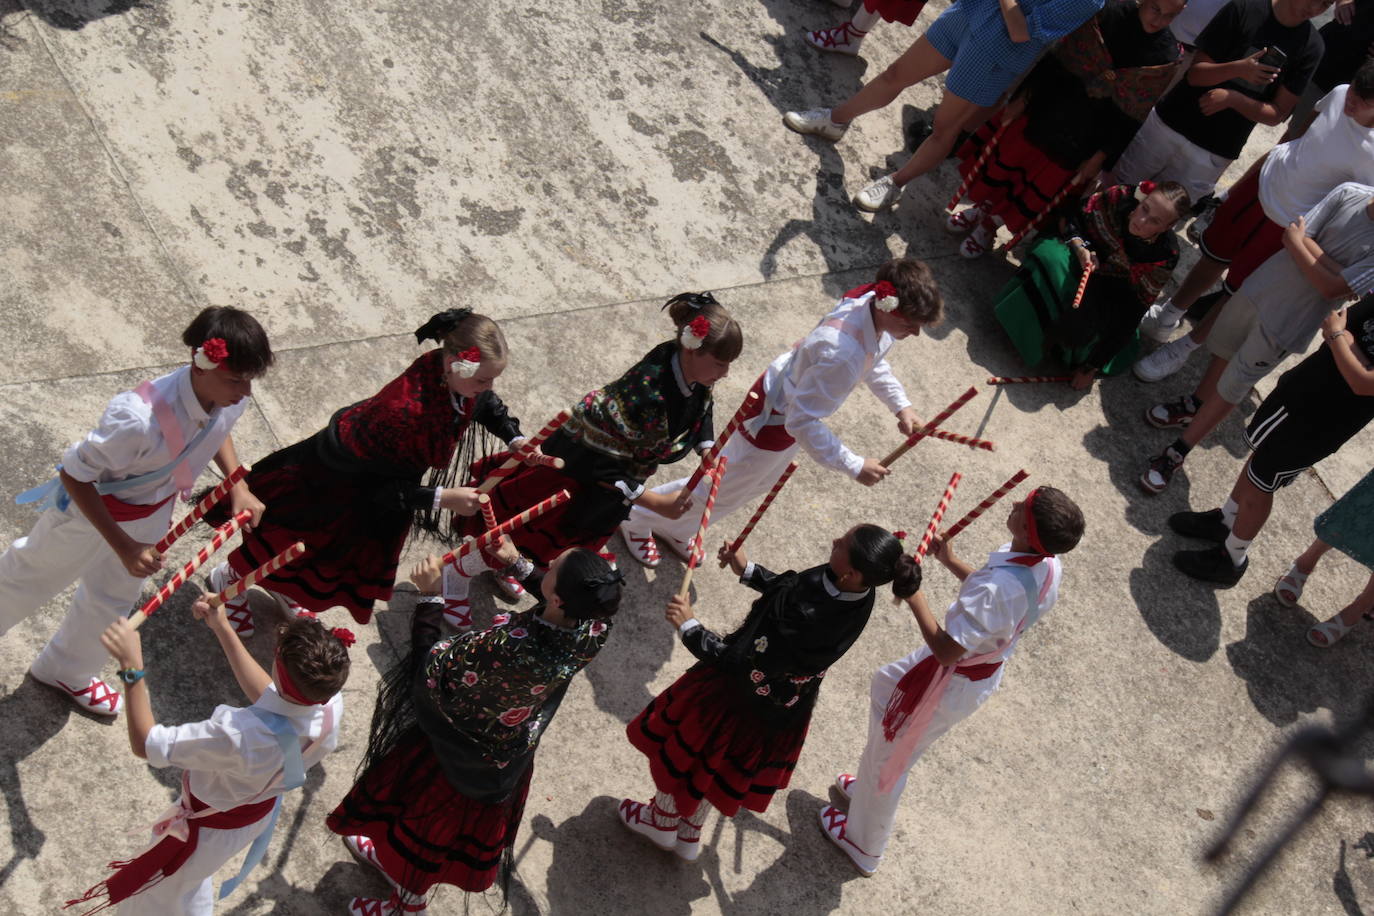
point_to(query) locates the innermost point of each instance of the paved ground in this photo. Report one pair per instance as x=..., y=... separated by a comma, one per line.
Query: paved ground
x=346, y=170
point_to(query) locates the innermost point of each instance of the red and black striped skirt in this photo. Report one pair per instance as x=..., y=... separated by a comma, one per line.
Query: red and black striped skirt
x=1017, y=181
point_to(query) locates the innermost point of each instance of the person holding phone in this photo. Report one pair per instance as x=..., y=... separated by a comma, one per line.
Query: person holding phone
x=1253, y=61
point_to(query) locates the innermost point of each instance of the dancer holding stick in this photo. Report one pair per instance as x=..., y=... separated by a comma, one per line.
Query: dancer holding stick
x=697, y=549
x=352, y=492
x=728, y=732
x=798, y=391
x=222, y=534
x=929, y=428
x=918, y=698
x=206, y=503
x=949, y=533
x=525, y=452
x=112, y=501
x=658, y=412
x=931, y=528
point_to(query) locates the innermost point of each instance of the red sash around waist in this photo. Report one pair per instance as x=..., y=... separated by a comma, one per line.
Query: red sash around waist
x=914, y=684
x=771, y=438
x=121, y=511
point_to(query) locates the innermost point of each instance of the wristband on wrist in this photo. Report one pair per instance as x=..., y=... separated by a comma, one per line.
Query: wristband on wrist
x=130, y=676
x=1342, y=332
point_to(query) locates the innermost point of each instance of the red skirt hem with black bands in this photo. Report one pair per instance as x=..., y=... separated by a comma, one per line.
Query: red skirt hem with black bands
x=1017, y=181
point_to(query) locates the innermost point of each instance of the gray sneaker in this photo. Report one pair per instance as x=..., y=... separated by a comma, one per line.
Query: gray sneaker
x=1163, y=362
x=816, y=122
x=880, y=195
x=1161, y=320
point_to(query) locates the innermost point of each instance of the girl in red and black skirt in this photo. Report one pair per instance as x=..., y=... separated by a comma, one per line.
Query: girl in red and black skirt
x=728, y=732
x=352, y=491
x=656, y=413
x=442, y=788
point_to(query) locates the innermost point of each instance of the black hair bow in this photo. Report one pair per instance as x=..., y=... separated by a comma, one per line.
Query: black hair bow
x=438, y=326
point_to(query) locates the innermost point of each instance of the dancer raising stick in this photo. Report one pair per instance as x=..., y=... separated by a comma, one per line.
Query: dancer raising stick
x=351, y=492
x=798, y=391
x=113, y=500
x=917, y=699
x=729, y=731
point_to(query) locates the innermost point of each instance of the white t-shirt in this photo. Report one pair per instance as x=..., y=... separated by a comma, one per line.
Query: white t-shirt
x=1298, y=174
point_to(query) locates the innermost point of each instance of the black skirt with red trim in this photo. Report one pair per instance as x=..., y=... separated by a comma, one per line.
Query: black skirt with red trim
x=1017, y=181
x=425, y=831
x=353, y=540
x=705, y=740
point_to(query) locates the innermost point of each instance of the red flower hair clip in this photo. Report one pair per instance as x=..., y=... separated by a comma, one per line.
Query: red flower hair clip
x=1144, y=189
x=211, y=354
x=465, y=366
x=694, y=332
x=344, y=636
x=307, y=615
x=899, y=535
x=885, y=296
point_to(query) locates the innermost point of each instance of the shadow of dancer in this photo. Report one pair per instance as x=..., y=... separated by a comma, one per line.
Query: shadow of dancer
x=77, y=14
x=28, y=717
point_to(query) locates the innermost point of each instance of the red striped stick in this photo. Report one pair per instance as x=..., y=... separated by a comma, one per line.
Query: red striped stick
x=285, y=558
x=222, y=533
x=518, y=455
x=724, y=437
x=1026, y=379
x=694, y=549
x=763, y=507
x=515, y=521
x=546, y=460
x=206, y=503
x=1054, y=202
x=986, y=504
x=929, y=428
x=926, y=538
x=488, y=513
x=970, y=441
x=1082, y=285
x=977, y=167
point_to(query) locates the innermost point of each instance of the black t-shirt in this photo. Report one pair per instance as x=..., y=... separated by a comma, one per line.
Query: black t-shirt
x=1316, y=384
x=1239, y=29
x=1347, y=46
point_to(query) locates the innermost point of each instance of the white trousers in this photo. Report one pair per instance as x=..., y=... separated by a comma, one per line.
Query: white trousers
x=62, y=548
x=750, y=472
x=872, y=813
x=190, y=890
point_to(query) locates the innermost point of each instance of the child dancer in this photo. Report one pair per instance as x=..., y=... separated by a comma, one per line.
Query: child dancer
x=112, y=499
x=729, y=731
x=798, y=391
x=352, y=491
x=654, y=414
x=917, y=699
x=236, y=764
x=448, y=766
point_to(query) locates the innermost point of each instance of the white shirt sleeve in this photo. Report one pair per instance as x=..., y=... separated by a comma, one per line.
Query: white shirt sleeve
x=207, y=745
x=825, y=377
x=982, y=618
x=121, y=439
x=885, y=386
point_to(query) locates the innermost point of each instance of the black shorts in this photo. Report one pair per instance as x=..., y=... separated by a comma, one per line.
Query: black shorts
x=1296, y=427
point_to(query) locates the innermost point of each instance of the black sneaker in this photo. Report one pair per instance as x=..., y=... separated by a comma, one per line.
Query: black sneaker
x=1161, y=471
x=1211, y=565
x=1205, y=526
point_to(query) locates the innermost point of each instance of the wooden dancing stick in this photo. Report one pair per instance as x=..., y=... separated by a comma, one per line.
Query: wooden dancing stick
x=182, y=576
x=725, y=434
x=1082, y=285
x=1054, y=202
x=545, y=460
x=929, y=428
x=206, y=503
x=959, y=439
x=763, y=507
x=986, y=504
x=515, y=521
x=488, y=513
x=926, y=538
x=694, y=549
x=977, y=167
x=519, y=454
x=285, y=558
x=1026, y=379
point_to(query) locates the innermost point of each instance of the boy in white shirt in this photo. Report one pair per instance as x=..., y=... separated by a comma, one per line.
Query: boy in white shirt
x=915, y=700
x=798, y=391
x=236, y=764
x=113, y=498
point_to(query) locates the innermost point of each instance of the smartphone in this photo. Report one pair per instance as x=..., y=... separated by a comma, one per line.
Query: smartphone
x=1273, y=57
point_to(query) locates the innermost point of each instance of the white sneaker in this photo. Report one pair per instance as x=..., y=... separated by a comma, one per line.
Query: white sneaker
x=977, y=243
x=636, y=819
x=1161, y=321
x=815, y=122
x=880, y=195
x=842, y=39
x=1163, y=362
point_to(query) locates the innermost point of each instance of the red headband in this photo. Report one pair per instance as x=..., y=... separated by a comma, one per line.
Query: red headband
x=288, y=687
x=1032, y=535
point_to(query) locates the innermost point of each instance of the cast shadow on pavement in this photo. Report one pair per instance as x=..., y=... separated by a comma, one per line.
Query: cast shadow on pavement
x=1183, y=614
x=1345, y=888
x=29, y=716
x=1287, y=677
x=77, y=14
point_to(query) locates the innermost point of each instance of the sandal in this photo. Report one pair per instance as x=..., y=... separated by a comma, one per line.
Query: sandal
x=1327, y=634
x=1288, y=590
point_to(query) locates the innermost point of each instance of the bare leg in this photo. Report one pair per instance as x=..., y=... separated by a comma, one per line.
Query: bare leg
x=1199, y=333
x=1201, y=278
x=1206, y=389
x=1307, y=562
x=1363, y=604
x=1253, y=509
x=1214, y=408
x=921, y=61
x=950, y=118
